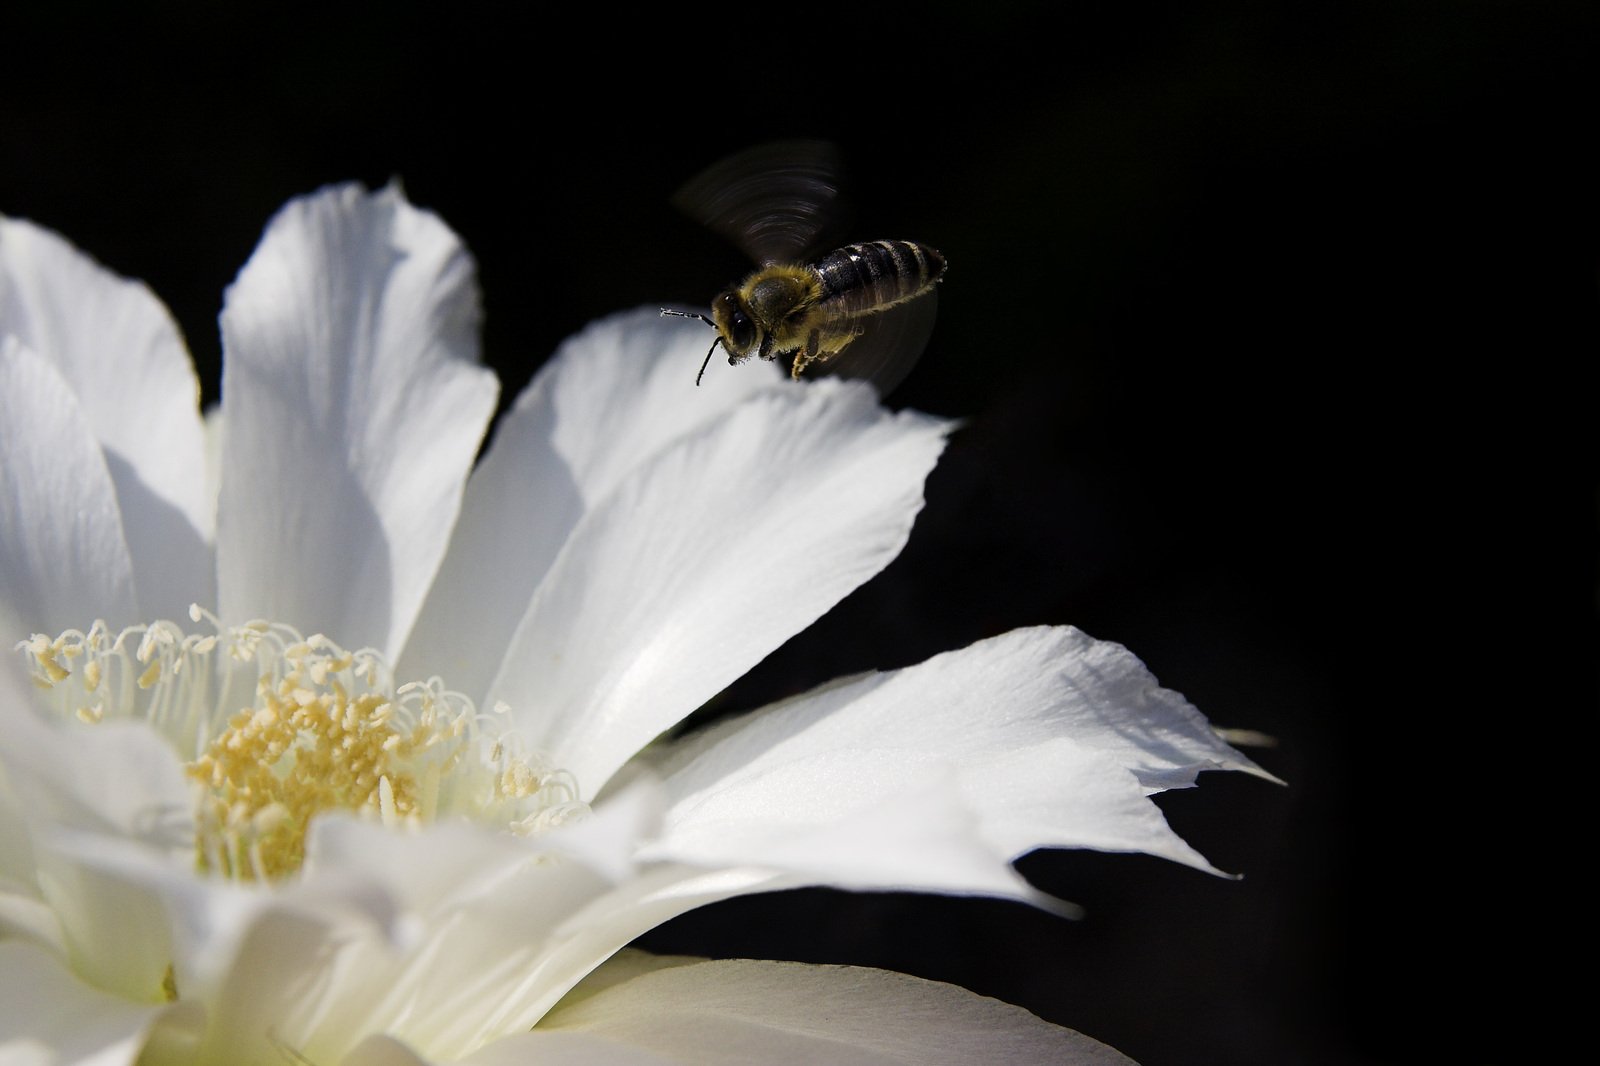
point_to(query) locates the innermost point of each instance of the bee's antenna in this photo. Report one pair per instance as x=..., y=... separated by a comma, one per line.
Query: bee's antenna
x=687, y=314
x=707, y=363
x=690, y=314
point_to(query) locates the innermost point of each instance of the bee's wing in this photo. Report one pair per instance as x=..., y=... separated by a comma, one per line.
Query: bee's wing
x=778, y=202
x=888, y=346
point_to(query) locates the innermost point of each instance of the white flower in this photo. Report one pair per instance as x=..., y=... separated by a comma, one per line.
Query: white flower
x=397, y=796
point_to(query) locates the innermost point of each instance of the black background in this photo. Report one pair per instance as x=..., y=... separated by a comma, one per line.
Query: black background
x=1269, y=322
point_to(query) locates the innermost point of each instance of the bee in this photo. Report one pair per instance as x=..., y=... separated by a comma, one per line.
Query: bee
x=862, y=310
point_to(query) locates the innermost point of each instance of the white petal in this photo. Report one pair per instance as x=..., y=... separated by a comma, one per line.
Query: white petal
x=1045, y=737
x=119, y=352
x=115, y=933
x=17, y=861
x=50, y=1018
x=382, y=1051
x=115, y=777
x=742, y=1011
x=64, y=561
x=494, y=929
x=115, y=782
x=25, y=917
x=112, y=782
x=354, y=406
x=24, y=912
x=475, y=934
x=911, y=829
x=474, y=949
x=707, y=558
x=568, y=1049
x=258, y=960
x=611, y=398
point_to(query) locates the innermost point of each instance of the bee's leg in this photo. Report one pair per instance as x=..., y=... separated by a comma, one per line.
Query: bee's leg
x=806, y=354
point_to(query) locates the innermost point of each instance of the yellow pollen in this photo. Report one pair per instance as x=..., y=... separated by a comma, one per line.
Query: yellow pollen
x=54, y=668
x=280, y=729
x=307, y=747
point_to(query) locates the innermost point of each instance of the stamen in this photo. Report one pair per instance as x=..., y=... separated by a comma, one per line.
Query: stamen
x=324, y=729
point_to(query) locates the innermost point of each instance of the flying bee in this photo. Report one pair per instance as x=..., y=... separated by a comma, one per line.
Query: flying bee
x=861, y=311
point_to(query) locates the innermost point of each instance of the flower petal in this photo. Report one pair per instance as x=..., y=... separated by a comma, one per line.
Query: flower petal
x=494, y=931
x=109, y=783
x=474, y=933
x=120, y=353
x=353, y=407
x=705, y=559
x=48, y=1016
x=740, y=1011
x=566, y=1049
x=23, y=911
x=1045, y=737
x=64, y=559
x=911, y=830
x=610, y=399
x=382, y=1051
x=490, y=931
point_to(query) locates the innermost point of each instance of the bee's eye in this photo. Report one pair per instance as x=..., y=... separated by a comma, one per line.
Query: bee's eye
x=738, y=331
x=741, y=331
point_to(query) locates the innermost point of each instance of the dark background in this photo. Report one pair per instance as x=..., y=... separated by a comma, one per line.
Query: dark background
x=1269, y=322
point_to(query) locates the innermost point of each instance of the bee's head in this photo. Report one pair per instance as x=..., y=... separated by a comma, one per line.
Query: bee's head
x=736, y=331
x=734, y=325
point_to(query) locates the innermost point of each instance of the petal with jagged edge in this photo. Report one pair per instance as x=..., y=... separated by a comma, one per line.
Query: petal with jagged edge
x=704, y=559
x=1038, y=738
x=353, y=406
x=612, y=398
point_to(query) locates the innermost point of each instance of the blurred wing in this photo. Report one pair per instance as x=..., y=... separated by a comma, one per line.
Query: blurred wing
x=777, y=202
x=888, y=347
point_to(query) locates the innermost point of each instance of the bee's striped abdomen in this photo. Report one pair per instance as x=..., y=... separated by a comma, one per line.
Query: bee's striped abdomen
x=861, y=278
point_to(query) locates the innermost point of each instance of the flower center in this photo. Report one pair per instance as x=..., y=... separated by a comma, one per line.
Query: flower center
x=275, y=729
